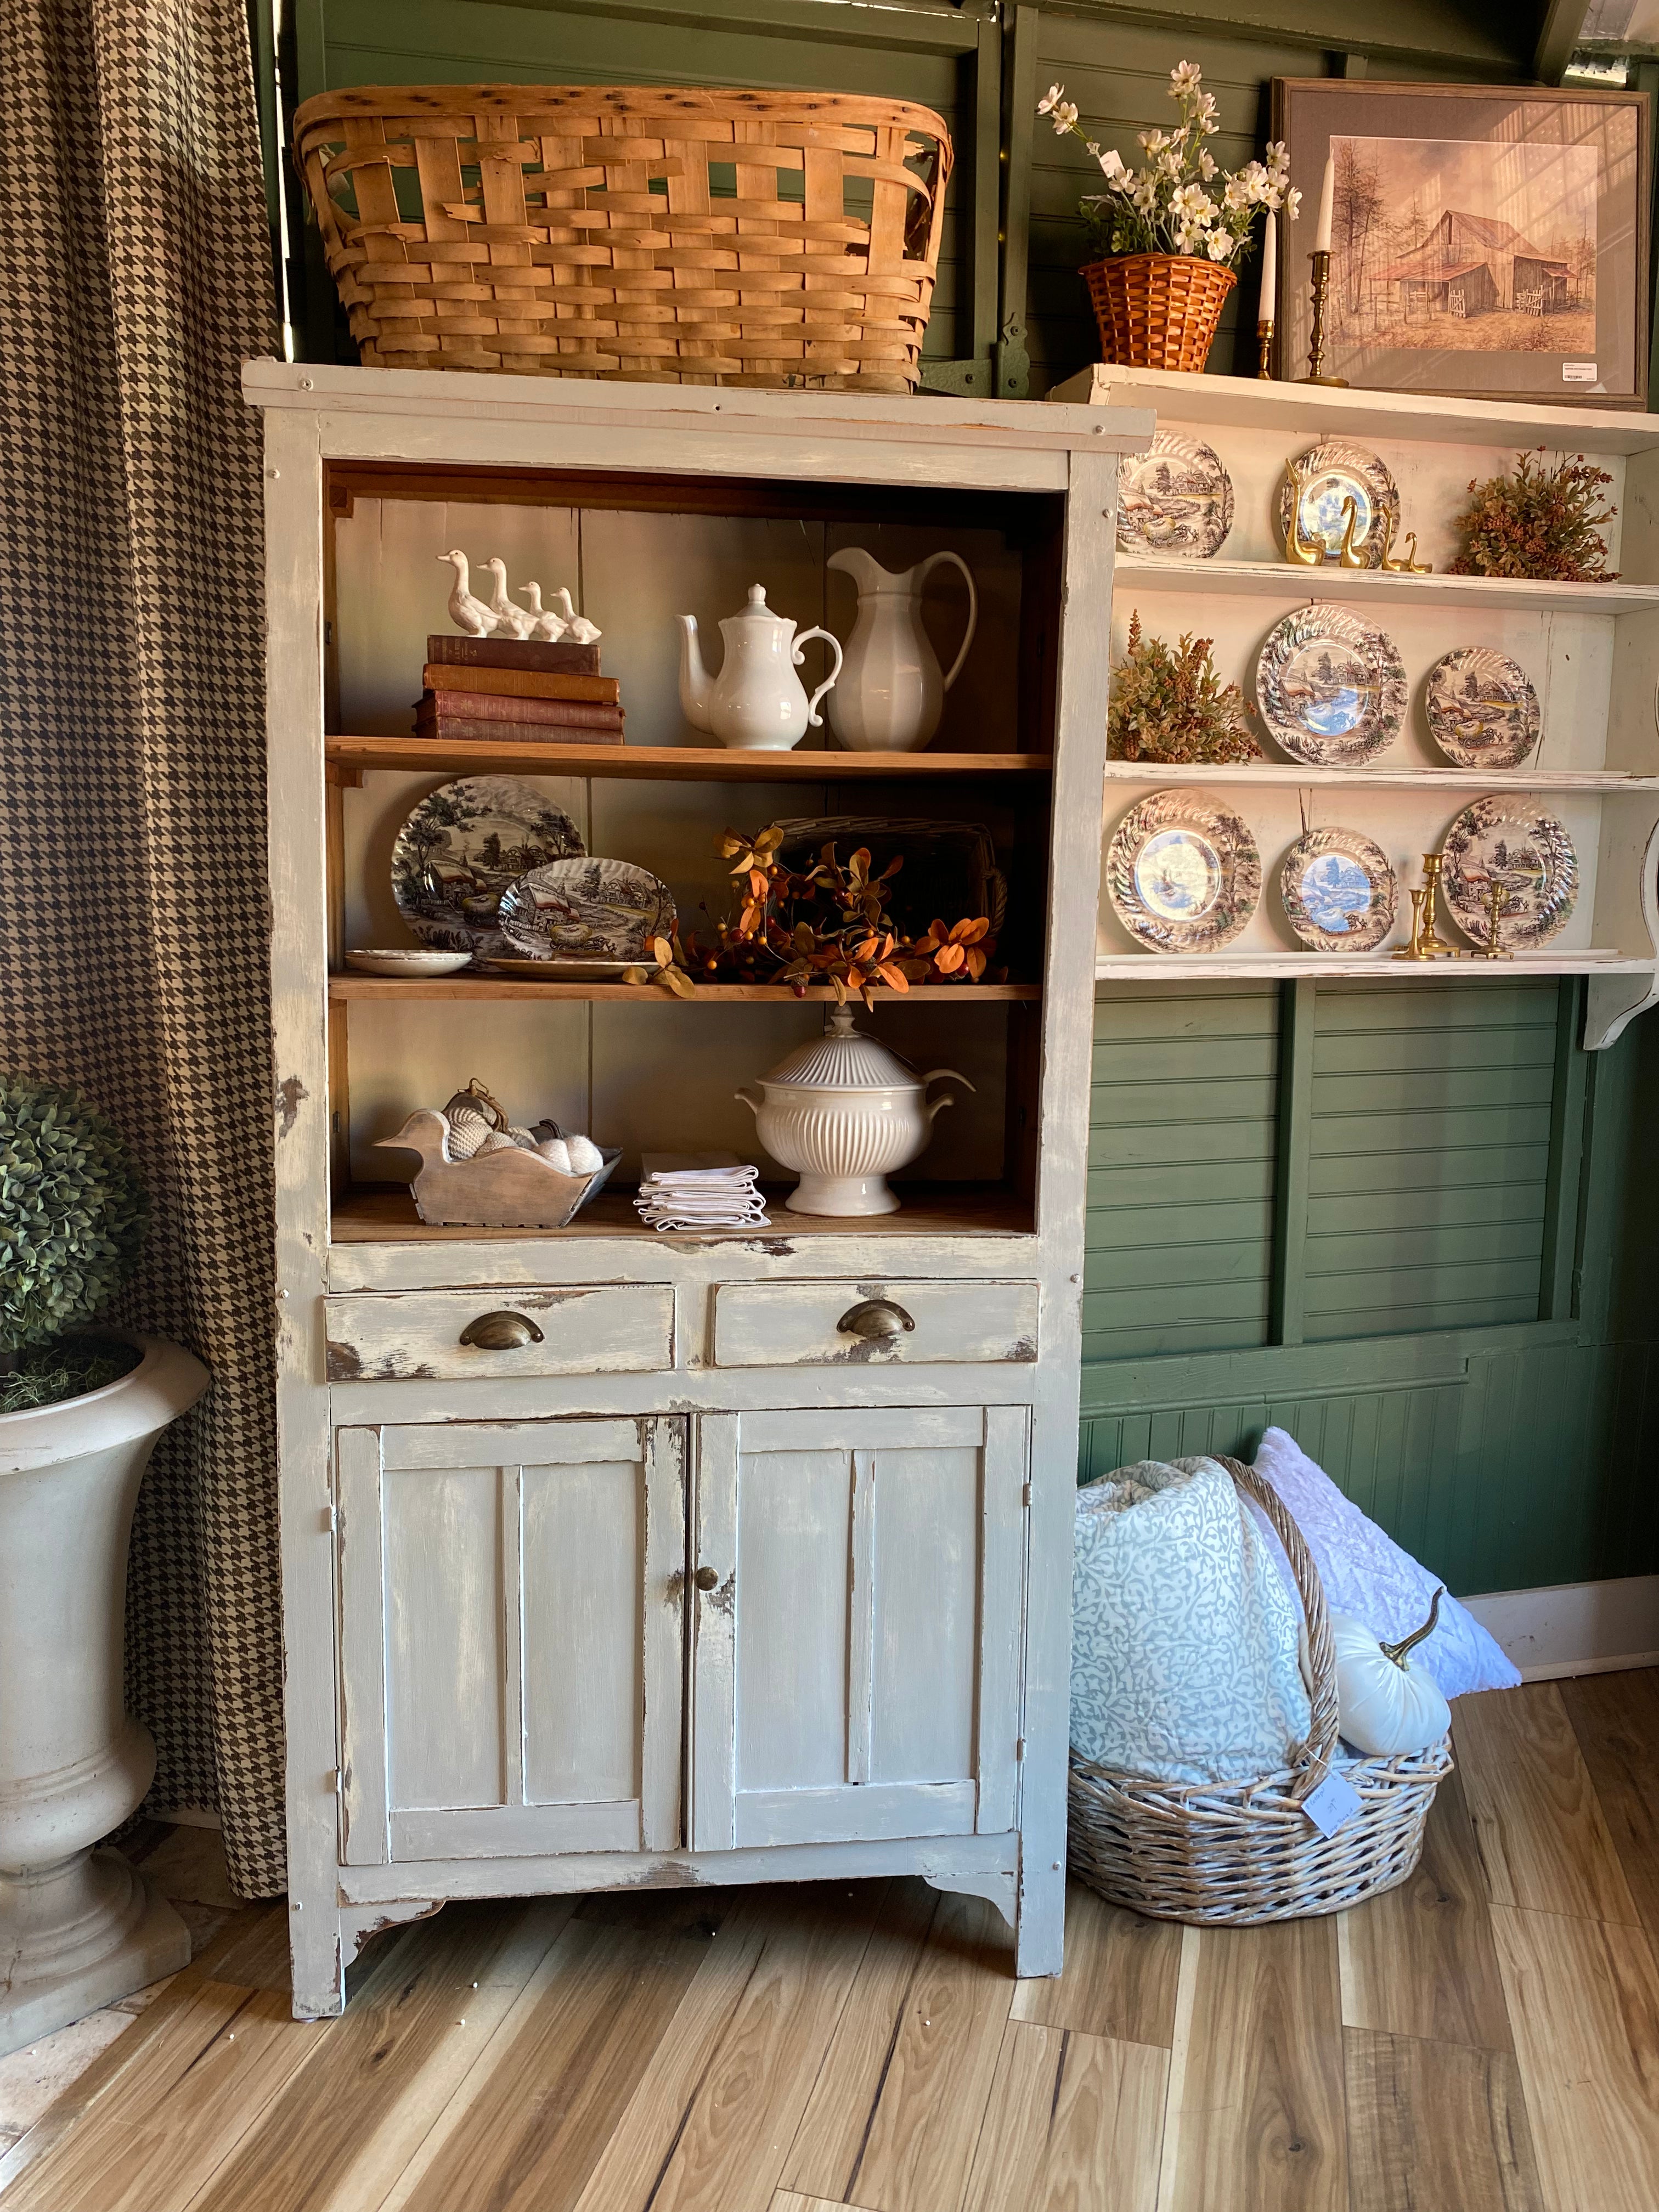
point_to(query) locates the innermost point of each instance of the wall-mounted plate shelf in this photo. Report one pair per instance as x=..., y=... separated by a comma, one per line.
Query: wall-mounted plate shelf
x=725, y=994
x=1282, y=579
x=347, y=758
x=387, y=1215
x=1237, y=776
x=1377, y=967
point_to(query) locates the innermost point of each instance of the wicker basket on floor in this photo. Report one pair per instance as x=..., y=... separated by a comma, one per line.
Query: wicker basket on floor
x=1157, y=310
x=661, y=236
x=1235, y=1854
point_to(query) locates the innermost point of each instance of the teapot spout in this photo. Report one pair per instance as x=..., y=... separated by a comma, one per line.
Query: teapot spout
x=695, y=688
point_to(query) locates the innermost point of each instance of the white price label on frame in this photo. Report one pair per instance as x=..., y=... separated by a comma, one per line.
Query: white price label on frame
x=1578, y=372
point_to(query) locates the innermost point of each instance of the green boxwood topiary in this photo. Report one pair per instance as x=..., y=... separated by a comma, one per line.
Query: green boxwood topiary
x=72, y=1214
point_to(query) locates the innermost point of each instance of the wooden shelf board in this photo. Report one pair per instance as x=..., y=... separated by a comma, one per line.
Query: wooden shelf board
x=386, y=1215
x=1305, y=411
x=667, y=763
x=1281, y=580
x=1610, y=782
x=1382, y=967
x=512, y=986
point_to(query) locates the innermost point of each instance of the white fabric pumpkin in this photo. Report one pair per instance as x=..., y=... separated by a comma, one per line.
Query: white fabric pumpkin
x=1384, y=1707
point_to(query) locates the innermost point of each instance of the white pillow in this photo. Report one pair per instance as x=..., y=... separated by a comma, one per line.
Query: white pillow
x=1365, y=1573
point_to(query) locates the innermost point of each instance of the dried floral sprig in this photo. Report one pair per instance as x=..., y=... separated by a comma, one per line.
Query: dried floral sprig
x=1540, y=522
x=826, y=924
x=1168, y=206
x=1168, y=704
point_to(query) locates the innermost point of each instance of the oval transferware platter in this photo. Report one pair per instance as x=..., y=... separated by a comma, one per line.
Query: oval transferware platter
x=1332, y=473
x=1182, y=872
x=1330, y=687
x=1513, y=844
x=1177, y=500
x=1339, y=891
x=587, y=909
x=462, y=847
x=1481, y=708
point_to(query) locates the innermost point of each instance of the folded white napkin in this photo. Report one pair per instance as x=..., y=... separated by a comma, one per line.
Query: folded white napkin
x=700, y=1190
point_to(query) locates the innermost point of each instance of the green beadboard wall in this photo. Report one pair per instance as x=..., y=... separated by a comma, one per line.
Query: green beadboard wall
x=1412, y=1224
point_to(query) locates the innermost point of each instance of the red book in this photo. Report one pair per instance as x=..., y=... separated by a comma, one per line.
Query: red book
x=492, y=707
x=523, y=683
x=457, y=652
x=463, y=729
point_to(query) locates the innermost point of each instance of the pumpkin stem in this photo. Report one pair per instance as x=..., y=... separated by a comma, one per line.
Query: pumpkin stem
x=1397, y=1651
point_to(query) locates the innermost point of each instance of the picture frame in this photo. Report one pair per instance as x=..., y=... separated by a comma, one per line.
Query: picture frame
x=1488, y=242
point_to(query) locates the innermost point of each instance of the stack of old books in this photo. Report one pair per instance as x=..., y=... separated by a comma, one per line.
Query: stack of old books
x=500, y=690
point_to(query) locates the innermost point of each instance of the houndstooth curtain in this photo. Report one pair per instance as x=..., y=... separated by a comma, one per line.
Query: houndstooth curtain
x=134, y=280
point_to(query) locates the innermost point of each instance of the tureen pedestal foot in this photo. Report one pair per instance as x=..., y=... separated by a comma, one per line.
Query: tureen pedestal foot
x=822, y=1193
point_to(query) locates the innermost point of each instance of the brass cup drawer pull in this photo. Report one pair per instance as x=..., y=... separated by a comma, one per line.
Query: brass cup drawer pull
x=878, y=1318
x=504, y=1331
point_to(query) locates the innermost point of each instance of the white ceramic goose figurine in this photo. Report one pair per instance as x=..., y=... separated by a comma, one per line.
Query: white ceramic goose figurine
x=577, y=628
x=467, y=613
x=510, y=620
x=550, y=627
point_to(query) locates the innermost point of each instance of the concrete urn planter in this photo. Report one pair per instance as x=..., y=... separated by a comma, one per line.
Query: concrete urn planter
x=78, y=1927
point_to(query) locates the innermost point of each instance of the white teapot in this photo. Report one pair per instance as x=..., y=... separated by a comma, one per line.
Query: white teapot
x=757, y=701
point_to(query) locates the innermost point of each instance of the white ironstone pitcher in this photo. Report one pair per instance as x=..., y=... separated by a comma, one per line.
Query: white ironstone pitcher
x=892, y=694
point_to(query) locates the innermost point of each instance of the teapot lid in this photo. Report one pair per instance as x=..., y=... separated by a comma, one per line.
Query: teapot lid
x=844, y=1059
x=758, y=611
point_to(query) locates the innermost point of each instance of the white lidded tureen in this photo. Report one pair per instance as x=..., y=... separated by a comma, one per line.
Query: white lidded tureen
x=843, y=1112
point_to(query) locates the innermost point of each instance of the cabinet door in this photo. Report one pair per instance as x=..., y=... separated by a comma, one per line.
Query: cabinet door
x=512, y=1637
x=857, y=1653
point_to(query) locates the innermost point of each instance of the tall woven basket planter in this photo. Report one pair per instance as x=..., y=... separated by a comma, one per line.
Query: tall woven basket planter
x=678, y=236
x=1157, y=310
x=1236, y=1854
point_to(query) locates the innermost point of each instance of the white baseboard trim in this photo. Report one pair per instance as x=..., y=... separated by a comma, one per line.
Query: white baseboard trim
x=1575, y=1628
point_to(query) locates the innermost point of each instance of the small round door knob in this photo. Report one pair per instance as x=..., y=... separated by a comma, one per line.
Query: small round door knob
x=876, y=1318
x=504, y=1331
x=705, y=1578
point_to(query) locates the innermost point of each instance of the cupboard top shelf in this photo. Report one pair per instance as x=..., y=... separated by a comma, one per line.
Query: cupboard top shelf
x=348, y=756
x=1283, y=580
x=1301, y=410
x=464, y=986
x=1237, y=775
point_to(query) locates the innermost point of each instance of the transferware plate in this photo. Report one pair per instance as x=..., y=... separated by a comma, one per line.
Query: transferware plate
x=1339, y=891
x=1481, y=708
x=1177, y=500
x=1514, y=843
x=1182, y=872
x=1330, y=687
x=1335, y=472
x=462, y=847
x=587, y=909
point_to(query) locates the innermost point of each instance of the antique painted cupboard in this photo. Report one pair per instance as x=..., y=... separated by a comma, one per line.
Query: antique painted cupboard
x=696, y=1587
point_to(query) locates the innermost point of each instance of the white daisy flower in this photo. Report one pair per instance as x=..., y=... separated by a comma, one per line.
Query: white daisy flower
x=1186, y=76
x=1054, y=95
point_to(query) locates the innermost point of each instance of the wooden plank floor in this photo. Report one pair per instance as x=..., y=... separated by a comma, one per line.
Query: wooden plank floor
x=1484, y=2040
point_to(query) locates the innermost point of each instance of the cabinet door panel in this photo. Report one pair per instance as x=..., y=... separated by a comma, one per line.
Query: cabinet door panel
x=512, y=1637
x=851, y=1673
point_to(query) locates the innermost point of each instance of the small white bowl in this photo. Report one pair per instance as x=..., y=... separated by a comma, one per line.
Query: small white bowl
x=411, y=962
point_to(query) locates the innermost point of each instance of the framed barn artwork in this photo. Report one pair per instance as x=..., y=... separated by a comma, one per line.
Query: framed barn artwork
x=1487, y=242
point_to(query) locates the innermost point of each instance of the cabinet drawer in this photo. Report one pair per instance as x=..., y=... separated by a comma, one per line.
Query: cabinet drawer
x=796, y=1324
x=613, y=1328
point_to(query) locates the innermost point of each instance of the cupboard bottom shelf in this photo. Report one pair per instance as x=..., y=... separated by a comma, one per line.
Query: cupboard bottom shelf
x=384, y=1214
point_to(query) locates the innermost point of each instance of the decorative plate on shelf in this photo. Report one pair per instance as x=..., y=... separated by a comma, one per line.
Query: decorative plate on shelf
x=1481, y=708
x=587, y=909
x=1339, y=891
x=1182, y=872
x=371, y=960
x=461, y=848
x=1176, y=500
x=560, y=970
x=1514, y=843
x=1332, y=473
x=1330, y=687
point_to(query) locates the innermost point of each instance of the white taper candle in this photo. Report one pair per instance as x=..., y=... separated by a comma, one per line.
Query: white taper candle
x=1264, y=313
x=1327, y=194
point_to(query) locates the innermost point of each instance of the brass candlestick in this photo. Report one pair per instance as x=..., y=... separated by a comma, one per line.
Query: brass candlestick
x=1264, y=342
x=1321, y=284
x=1497, y=899
x=1427, y=943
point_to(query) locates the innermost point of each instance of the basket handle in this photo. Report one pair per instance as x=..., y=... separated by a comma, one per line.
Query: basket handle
x=1312, y=1762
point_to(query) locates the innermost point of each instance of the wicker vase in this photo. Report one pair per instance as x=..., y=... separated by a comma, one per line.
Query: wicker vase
x=1157, y=310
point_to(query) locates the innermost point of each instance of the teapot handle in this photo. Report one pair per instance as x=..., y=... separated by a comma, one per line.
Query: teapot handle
x=815, y=721
x=927, y=567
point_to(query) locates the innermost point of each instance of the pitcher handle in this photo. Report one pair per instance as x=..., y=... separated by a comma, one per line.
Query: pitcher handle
x=927, y=568
x=815, y=721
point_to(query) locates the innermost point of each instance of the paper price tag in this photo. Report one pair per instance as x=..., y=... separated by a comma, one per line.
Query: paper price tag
x=1578, y=372
x=1334, y=1803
